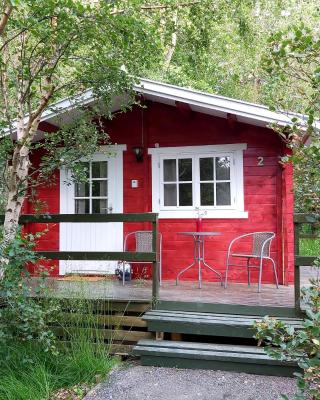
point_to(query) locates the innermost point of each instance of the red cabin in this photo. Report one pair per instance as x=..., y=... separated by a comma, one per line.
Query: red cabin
x=183, y=155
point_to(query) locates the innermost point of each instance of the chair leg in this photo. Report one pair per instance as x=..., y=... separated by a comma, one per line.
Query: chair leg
x=275, y=272
x=160, y=272
x=260, y=275
x=226, y=275
x=123, y=273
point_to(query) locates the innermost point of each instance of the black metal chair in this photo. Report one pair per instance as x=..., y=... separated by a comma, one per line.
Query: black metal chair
x=260, y=249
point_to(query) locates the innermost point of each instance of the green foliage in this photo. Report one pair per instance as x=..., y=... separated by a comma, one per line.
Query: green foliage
x=33, y=362
x=307, y=176
x=29, y=373
x=284, y=343
x=24, y=318
x=61, y=48
x=309, y=247
x=293, y=58
x=221, y=46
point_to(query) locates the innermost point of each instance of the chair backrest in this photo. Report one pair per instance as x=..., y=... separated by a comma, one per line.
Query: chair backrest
x=262, y=239
x=143, y=241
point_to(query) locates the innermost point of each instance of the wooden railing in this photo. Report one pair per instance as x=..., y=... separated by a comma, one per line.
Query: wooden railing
x=151, y=257
x=299, y=220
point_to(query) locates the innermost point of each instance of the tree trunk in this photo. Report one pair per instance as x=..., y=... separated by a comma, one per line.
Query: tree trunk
x=17, y=185
x=173, y=43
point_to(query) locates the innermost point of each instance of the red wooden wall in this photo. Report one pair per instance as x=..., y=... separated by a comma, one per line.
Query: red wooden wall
x=267, y=189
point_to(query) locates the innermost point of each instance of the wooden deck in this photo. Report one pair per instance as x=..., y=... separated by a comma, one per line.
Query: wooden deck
x=186, y=291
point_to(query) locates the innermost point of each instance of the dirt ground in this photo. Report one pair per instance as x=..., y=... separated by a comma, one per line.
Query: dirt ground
x=137, y=382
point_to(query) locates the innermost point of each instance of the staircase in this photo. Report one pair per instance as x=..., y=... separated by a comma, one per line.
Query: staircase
x=205, y=351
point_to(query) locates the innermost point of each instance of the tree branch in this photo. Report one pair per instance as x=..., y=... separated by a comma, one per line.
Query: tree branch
x=5, y=18
x=156, y=7
x=173, y=44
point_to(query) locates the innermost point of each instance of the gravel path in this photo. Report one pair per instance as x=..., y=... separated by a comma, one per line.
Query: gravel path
x=137, y=382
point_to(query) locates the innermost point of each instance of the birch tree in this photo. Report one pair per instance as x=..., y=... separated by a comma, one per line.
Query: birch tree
x=51, y=49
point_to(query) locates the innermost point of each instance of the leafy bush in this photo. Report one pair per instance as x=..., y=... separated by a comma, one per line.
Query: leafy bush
x=284, y=343
x=33, y=363
x=24, y=317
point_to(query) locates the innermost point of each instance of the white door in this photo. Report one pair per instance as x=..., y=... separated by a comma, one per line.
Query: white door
x=102, y=194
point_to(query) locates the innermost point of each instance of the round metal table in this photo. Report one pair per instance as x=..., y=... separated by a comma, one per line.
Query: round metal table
x=198, y=256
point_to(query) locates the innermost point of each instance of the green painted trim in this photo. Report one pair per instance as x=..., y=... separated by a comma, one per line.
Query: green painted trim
x=194, y=355
x=98, y=255
x=55, y=218
x=304, y=260
x=225, y=325
x=302, y=218
x=170, y=362
x=202, y=329
x=226, y=308
x=155, y=264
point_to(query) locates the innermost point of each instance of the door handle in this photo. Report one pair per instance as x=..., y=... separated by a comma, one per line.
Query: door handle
x=110, y=209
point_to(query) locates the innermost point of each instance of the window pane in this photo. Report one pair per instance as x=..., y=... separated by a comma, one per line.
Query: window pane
x=85, y=168
x=206, y=169
x=81, y=190
x=170, y=195
x=169, y=170
x=100, y=169
x=207, y=194
x=185, y=194
x=185, y=169
x=82, y=206
x=99, y=188
x=223, y=194
x=222, y=168
x=100, y=206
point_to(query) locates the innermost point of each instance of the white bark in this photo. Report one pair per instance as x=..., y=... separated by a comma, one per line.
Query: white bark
x=173, y=44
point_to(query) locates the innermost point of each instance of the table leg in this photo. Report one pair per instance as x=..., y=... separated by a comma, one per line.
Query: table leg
x=183, y=271
x=198, y=244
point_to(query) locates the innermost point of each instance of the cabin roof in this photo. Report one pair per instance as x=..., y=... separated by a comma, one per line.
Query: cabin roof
x=224, y=107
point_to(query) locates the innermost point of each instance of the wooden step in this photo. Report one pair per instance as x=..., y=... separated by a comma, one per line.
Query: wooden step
x=207, y=324
x=249, y=359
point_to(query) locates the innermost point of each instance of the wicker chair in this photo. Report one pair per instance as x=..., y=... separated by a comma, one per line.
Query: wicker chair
x=260, y=249
x=143, y=243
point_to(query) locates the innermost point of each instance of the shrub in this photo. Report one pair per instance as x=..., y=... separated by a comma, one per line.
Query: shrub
x=303, y=346
x=25, y=317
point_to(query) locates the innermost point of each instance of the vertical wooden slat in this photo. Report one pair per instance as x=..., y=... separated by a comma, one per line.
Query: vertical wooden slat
x=155, y=264
x=297, y=268
x=297, y=238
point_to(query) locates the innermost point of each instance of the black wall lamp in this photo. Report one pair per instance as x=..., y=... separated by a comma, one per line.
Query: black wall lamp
x=138, y=151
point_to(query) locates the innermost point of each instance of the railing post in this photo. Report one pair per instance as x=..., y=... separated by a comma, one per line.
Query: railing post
x=155, y=263
x=297, y=294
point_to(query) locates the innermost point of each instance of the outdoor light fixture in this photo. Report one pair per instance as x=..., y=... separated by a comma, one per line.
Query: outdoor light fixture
x=138, y=151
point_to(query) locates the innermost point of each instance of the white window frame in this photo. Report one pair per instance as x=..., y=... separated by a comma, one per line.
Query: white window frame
x=112, y=154
x=234, y=151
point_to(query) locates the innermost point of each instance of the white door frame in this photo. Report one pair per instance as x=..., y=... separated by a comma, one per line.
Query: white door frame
x=113, y=153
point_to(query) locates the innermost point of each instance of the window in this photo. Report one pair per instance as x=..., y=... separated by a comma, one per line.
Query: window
x=177, y=182
x=185, y=179
x=92, y=197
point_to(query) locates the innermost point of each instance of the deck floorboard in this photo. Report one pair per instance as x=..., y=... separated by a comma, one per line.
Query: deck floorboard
x=186, y=291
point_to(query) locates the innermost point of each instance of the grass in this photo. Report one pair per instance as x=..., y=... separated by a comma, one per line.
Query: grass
x=27, y=372
x=310, y=247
